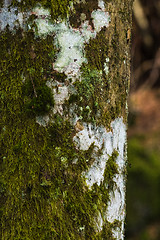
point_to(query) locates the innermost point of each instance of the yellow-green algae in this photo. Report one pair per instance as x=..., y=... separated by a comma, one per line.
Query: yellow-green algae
x=43, y=193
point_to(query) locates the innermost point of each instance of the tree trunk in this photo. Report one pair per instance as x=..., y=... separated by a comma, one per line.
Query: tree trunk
x=63, y=110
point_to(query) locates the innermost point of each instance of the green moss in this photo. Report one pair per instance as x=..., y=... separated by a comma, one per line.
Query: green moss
x=107, y=232
x=93, y=98
x=88, y=94
x=27, y=65
x=87, y=90
x=44, y=195
x=59, y=8
x=111, y=169
x=37, y=100
x=97, y=50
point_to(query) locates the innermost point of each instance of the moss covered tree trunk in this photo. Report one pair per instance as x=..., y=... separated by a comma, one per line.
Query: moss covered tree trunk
x=63, y=116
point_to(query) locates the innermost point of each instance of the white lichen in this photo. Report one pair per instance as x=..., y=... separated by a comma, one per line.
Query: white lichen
x=44, y=27
x=116, y=205
x=42, y=120
x=10, y=17
x=106, y=67
x=99, y=222
x=43, y=21
x=100, y=19
x=40, y=11
x=101, y=5
x=59, y=97
x=71, y=44
x=70, y=41
x=108, y=142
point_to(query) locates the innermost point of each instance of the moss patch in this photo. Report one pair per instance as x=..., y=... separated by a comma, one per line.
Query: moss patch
x=97, y=50
x=38, y=100
x=111, y=169
x=43, y=193
x=59, y=8
x=89, y=93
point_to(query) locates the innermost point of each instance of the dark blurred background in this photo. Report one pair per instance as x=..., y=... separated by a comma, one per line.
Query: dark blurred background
x=143, y=187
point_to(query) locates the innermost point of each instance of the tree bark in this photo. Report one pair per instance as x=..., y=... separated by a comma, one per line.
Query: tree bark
x=65, y=68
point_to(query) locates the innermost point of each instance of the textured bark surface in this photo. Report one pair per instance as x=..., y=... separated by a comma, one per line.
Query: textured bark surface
x=63, y=110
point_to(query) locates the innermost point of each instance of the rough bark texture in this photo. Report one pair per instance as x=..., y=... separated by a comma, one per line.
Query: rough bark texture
x=63, y=112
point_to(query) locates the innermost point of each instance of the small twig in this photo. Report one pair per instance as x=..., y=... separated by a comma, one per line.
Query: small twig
x=35, y=93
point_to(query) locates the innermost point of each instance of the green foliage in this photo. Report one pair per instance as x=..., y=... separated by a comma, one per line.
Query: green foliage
x=143, y=184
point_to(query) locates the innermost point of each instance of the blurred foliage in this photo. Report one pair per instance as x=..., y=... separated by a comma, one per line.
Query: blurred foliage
x=143, y=195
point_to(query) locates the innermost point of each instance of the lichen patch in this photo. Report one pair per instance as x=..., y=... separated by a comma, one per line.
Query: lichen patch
x=100, y=19
x=70, y=40
x=10, y=18
x=107, y=142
